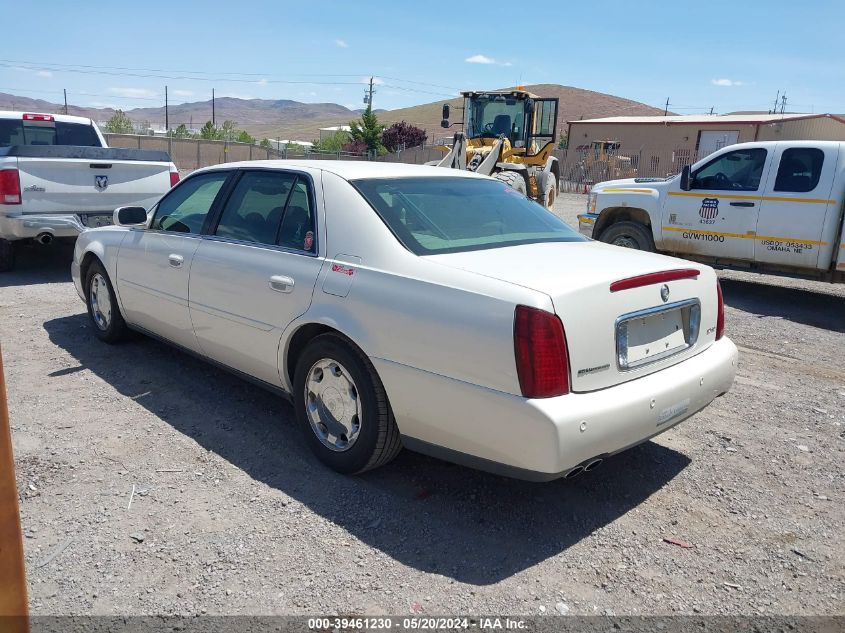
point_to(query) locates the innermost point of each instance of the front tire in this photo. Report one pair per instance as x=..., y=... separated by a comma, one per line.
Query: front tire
x=628, y=234
x=513, y=179
x=342, y=408
x=103, y=310
x=549, y=191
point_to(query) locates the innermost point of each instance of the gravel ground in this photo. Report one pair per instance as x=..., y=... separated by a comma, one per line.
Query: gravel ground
x=230, y=513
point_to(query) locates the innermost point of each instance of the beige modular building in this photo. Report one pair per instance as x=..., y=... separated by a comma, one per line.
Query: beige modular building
x=698, y=136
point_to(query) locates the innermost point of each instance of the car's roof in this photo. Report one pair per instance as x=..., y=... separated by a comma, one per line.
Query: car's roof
x=353, y=169
x=64, y=118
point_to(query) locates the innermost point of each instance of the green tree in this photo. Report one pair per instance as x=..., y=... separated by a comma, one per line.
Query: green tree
x=119, y=124
x=210, y=133
x=563, y=143
x=265, y=143
x=181, y=131
x=229, y=131
x=368, y=130
x=244, y=137
x=333, y=143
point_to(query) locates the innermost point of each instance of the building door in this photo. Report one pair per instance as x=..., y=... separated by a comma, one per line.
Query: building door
x=713, y=140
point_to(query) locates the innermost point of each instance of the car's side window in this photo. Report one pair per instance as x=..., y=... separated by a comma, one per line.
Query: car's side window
x=800, y=169
x=297, y=229
x=255, y=208
x=740, y=170
x=185, y=208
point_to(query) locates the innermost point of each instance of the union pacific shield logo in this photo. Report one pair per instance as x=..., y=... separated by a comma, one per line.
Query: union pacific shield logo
x=709, y=208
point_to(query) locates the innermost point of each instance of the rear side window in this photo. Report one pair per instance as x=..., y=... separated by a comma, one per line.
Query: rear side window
x=297, y=230
x=800, y=169
x=17, y=132
x=255, y=209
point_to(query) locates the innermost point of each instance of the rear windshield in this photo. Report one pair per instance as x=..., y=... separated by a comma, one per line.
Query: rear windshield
x=17, y=132
x=450, y=215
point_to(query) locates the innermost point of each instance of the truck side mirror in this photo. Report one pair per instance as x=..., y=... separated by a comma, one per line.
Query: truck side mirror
x=130, y=216
x=685, y=178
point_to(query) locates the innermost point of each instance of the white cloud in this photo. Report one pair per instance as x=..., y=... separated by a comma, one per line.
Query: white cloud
x=183, y=93
x=480, y=59
x=725, y=82
x=130, y=93
x=262, y=81
x=44, y=73
x=341, y=44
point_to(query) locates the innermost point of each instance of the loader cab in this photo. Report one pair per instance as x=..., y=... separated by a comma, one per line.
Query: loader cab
x=527, y=121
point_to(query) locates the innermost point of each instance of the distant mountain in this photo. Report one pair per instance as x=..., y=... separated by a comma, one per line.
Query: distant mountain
x=288, y=119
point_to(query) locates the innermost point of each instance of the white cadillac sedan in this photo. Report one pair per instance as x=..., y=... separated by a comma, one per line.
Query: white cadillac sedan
x=403, y=305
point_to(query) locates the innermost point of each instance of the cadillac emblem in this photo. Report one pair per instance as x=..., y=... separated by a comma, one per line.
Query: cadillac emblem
x=664, y=293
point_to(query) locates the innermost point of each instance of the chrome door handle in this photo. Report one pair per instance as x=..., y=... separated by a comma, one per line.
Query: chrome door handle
x=175, y=260
x=281, y=283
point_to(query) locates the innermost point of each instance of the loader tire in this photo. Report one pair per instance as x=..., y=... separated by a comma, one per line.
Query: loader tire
x=549, y=192
x=513, y=179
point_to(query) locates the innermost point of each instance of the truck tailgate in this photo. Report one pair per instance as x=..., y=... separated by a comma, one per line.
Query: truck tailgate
x=65, y=185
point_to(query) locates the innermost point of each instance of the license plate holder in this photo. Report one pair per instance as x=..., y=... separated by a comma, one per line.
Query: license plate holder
x=96, y=220
x=650, y=335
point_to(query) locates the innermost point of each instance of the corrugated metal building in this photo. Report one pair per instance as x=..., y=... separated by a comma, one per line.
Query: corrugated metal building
x=701, y=135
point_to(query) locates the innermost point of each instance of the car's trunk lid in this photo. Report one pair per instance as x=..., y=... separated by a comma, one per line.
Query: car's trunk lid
x=616, y=336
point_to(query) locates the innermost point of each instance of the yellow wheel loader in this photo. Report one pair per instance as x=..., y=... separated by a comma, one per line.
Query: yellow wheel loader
x=509, y=135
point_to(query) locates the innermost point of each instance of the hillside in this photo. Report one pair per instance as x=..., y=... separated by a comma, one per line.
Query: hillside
x=301, y=121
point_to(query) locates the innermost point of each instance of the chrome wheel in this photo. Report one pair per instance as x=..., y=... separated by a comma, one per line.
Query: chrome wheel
x=332, y=404
x=100, y=298
x=625, y=241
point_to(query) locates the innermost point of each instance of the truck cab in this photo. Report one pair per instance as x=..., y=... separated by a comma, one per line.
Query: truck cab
x=771, y=207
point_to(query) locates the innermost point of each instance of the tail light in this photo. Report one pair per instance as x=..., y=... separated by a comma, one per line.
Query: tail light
x=174, y=178
x=542, y=360
x=10, y=186
x=720, y=315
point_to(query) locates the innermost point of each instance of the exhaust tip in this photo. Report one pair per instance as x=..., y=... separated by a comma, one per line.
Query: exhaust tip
x=44, y=238
x=572, y=474
x=593, y=464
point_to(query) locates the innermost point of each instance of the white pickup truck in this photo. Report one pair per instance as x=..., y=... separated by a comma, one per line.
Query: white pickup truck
x=58, y=177
x=773, y=207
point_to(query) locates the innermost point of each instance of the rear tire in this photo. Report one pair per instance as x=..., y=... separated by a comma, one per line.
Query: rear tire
x=549, y=192
x=629, y=234
x=7, y=255
x=103, y=310
x=513, y=179
x=342, y=408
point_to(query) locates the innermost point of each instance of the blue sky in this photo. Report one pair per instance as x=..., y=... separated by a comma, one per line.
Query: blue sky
x=729, y=55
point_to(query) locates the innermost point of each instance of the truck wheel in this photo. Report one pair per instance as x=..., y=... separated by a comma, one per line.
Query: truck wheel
x=7, y=255
x=628, y=235
x=342, y=408
x=103, y=310
x=513, y=179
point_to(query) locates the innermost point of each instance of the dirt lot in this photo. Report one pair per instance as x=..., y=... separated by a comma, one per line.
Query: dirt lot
x=230, y=513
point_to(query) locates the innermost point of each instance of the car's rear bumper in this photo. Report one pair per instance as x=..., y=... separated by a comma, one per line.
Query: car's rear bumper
x=586, y=223
x=545, y=438
x=22, y=227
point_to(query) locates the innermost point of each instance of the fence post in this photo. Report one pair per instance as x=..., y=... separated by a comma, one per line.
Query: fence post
x=139, y=142
x=250, y=151
x=170, y=145
x=199, y=145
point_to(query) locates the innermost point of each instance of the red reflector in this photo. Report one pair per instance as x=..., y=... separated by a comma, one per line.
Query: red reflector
x=174, y=178
x=10, y=186
x=653, y=278
x=720, y=315
x=38, y=117
x=542, y=360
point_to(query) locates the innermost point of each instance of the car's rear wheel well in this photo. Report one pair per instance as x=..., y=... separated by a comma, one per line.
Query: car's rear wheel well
x=89, y=259
x=611, y=215
x=300, y=339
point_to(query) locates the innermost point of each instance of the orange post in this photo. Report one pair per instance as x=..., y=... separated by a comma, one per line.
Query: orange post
x=13, y=603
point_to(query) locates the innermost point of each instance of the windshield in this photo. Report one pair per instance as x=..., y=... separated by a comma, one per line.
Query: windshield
x=451, y=215
x=18, y=132
x=495, y=115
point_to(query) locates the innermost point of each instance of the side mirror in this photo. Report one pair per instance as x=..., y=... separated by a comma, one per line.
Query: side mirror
x=130, y=216
x=446, y=111
x=685, y=178
x=529, y=106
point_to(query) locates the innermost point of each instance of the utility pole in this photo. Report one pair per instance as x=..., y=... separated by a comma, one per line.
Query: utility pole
x=368, y=98
x=65, y=91
x=783, y=103
x=777, y=98
x=166, y=112
x=666, y=109
x=711, y=110
x=213, y=118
